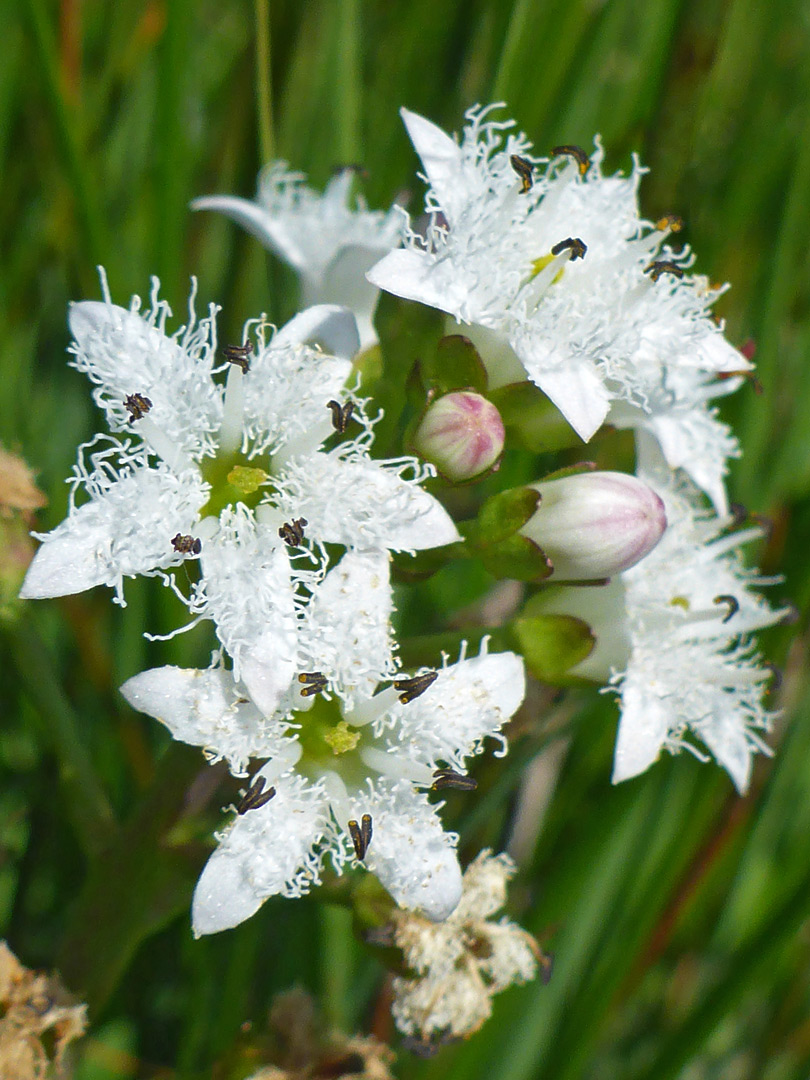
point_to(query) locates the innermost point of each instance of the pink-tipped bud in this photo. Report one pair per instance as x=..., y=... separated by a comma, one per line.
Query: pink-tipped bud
x=593, y=525
x=461, y=434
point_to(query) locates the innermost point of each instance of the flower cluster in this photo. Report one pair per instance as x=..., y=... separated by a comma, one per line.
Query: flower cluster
x=245, y=477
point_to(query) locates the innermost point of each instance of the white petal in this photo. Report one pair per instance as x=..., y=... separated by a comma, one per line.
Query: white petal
x=269, y=229
x=203, y=708
x=124, y=531
x=643, y=730
x=347, y=632
x=361, y=504
x=411, y=854
x=468, y=701
x=268, y=851
x=574, y=387
x=330, y=327
x=125, y=352
x=416, y=275
x=440, y=155
x=249, y=595
x=725, y=735
x=344, y=282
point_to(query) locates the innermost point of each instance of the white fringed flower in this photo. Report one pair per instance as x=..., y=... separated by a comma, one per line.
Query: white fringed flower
x=674, y=637
x=559, y=280
x=328, y=240
x=458, y=965
x=350, y=767
x=235, y=474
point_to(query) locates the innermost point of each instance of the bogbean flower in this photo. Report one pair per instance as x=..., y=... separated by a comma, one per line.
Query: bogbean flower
x=351, y=754
x=456, y=967
x=559, y=279
x=330, y=240
x=248, y=479
x=673, y=636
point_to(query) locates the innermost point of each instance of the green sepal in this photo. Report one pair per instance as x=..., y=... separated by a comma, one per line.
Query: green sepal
x=531, y=419
x=516, y=557
x=502, y=515
x=552, y=644
x=456, y=365
x=424, y=564
x=570, y=470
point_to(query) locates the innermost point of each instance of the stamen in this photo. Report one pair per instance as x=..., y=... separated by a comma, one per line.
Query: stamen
x=525, y=171
x=731, y=602
x=255, y=796
x=748, y=375
x=671, y=222
x=314, y=683
x=574, y=244
x=137, y=405
x=409, y=689
x=238, y=354
x=292, y=532
x=187, y=545
x=448, y=778
x=577, y=153
x=656, y=269
x=341, y=415
x=361, y=835
x=776, y=677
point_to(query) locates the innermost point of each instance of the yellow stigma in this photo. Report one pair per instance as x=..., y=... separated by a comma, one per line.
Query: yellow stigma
x=246, y=479
x=542, y=263
x=341, y=738
x=680, y=601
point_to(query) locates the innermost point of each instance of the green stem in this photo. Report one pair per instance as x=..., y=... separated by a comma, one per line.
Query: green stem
x=264, y=88
x=85, y=801
x=347, y=114
x=336, y=952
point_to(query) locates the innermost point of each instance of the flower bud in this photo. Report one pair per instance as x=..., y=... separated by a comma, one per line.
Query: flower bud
x=593, y=525
x=461, y=434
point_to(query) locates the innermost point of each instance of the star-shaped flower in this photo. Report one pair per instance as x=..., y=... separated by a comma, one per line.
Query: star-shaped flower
x=250, y=478
x=674, y=636
x=349, y=764
x=329, y=239
x=560, y=280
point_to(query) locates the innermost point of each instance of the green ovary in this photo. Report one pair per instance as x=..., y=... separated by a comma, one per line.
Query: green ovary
x=328, y=742
x=233, y=480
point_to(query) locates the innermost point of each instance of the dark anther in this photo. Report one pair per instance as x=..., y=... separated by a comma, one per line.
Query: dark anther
x=671, y=222
x=546, y=961
x=413, y=688
x=341, y=414
x=525, y=171
x=314, y=682
x=447, y=778
x=656, y=269
x=238, y=354
x=137, y=406
x=351, y=167
x=746, y=374
x=739, y=513
x=576, y=246
x=427, y=1046
x=255, y=796
x=776, y=677
x=383, y=937
x=292, y=532
x=791, y=615
x=187, y=545
x=361, y=835
x=731, y=602
x=577, y=153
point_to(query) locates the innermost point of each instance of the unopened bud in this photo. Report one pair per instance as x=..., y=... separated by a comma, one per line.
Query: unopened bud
x=593, y=525
x=461, y=434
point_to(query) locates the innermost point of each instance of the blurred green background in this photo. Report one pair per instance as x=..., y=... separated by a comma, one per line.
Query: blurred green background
x=679, y=914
